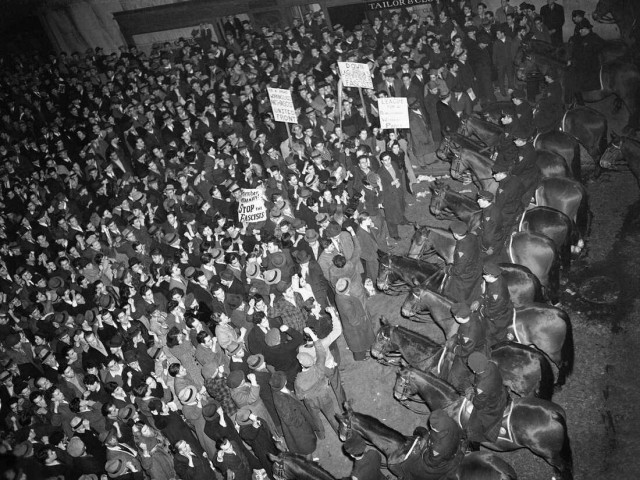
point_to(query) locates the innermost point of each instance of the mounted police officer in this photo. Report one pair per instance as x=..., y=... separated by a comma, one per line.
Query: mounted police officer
x=466, y=269
x=491, y=231
x=471, y=337
x=508, y=194
x=489, y=397
x=525, y=166
x=496, y=306
x=550, y=108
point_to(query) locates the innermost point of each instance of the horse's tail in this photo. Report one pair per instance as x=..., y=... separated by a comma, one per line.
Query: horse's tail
x=553, y=287
x=547, y=380
x=583, y=218
x=538, y=292
x=576, y=165
x=566, y=454
x=567, y=354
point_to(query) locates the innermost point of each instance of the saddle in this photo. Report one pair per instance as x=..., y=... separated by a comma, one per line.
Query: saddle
x=506, y=433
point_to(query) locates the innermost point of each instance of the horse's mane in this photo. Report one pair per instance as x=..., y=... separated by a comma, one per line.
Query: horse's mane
x=417, y=336
x=305, y=470
x=468, y=202
x=439, y=383
x=490, y=126
x=443, y=298
x=469, y=142
x=403, y=261
x=378, y=427
x=440, y=231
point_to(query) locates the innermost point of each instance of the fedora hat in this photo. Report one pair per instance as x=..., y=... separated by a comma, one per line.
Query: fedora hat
x=273, y=276
x=301, y=256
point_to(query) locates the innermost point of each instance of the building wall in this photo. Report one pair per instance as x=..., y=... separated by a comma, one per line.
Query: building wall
x=79, y=24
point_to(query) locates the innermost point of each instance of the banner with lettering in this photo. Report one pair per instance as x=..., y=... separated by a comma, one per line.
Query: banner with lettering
x=355, y=75
x=393, y=112
x=282, y=105
x=251, y=208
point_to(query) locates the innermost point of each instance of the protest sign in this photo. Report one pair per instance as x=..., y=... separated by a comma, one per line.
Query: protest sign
x=282, y=105
x=251, y=208
x=393, y=112
x=355, y=75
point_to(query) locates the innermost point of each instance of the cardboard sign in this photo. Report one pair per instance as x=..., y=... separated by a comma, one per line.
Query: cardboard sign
x=355, y=75
x=251, y=208
x=282, y=105
x=393, y=112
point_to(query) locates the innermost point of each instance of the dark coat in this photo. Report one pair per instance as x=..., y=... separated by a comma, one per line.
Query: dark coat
x=466, y=270
x=201, y=468
x=261, y=443
x=491, y=232
x=509, y=200
x=585, y=58
x=392, y=197
x=526, y=169
x=497, y=308
x=356, y=323
x=489, y=403
x=297, y=423
x=368, y=467
x=282, y=357
x=449, y=121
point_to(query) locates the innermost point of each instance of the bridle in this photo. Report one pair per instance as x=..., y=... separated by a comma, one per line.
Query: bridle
x=429, y=253
x=396, y=287
x=612, y=147
x=404, y=397
x=279, y=471
x=383, y=357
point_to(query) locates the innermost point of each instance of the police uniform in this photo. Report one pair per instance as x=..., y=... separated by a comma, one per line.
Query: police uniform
x=491, y=231
x=471, y=337
x=525, y=167
x=496, y=307
x=444, y=452
x=489, y=401
x=466, y=269
x=509, y=199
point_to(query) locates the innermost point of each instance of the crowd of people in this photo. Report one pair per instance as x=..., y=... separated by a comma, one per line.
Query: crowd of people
x=146, y=332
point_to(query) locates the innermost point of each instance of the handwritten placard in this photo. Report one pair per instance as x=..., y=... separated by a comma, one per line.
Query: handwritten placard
x=282, y=105
x=393, y=112
x=355, y=74
x=251, y=208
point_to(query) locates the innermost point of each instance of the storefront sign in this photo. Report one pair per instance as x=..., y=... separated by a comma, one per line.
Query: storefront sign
x=384, y=4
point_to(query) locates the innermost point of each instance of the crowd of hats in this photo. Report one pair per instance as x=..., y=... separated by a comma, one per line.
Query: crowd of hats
x=72, y=224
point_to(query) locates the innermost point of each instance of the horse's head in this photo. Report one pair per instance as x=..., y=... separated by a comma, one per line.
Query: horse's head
x=463, y=129
x=613, y=153
x=604, y=11
x=412, y=304
x=419, y=242
x=383, y=343
x=444, y=150
x=279, y=467
x=438, y=199
x=385, y=266
x=457, y=165
x=404, y=388
x=345, y=426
